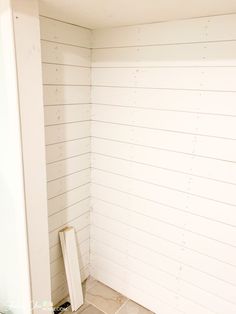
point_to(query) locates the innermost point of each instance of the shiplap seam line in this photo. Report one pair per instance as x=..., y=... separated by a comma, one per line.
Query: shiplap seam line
x=84, y=195
x=67, y=158
x=164, y=44
x=69, y=221
x=166, y=88
x=84, y=213
x=52, y=260
x=169, y=241
x=176, y=244
x=65, y=22
x=66, y=104
x=65, y=282
x=162, y=149
x=163, y=66
x=67, y=175
x=174, y=292
x=76, y=85
x=137, y=288
x=163, y=168
x=159, y=88
x=164, y=271
x=65, y=44
x=61, y=271
x=164, y=204
x=161, y=109
x=70, y=190
x=69, y=206
x=76, y=231
x=166, y=256
x=78, y=245
x=162, y=130
x=65, y=141
x=69, y=122
x=60, y=257
x=164, y=222
x=72, y=140
x=165, y=187
x=68, y=65
x=58, y=244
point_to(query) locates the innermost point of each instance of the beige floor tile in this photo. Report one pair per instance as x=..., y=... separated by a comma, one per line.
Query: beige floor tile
x=86, y=309
x=133, y=308
x=89, y=283
x=104, y=298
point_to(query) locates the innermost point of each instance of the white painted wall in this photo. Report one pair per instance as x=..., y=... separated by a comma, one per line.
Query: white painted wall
x=66, y=83
x=29, y=74
x=25, y=280
x=163, y=168
x=164, y=164
x=14, y=270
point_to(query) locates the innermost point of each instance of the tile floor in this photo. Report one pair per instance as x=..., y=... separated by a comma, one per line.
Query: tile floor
x=100, y=299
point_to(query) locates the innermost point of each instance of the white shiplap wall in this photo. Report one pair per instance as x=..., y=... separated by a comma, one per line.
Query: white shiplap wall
x=164, y=164
x=66, y=81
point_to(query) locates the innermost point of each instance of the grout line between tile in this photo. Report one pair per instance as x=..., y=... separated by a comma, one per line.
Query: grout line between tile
x=91, y=302
x=91, y=286
x=99, y=308
x=122, y=306
x=95, y=306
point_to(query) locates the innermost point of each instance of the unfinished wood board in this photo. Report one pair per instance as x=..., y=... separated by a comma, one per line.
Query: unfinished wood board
x=69, y=250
